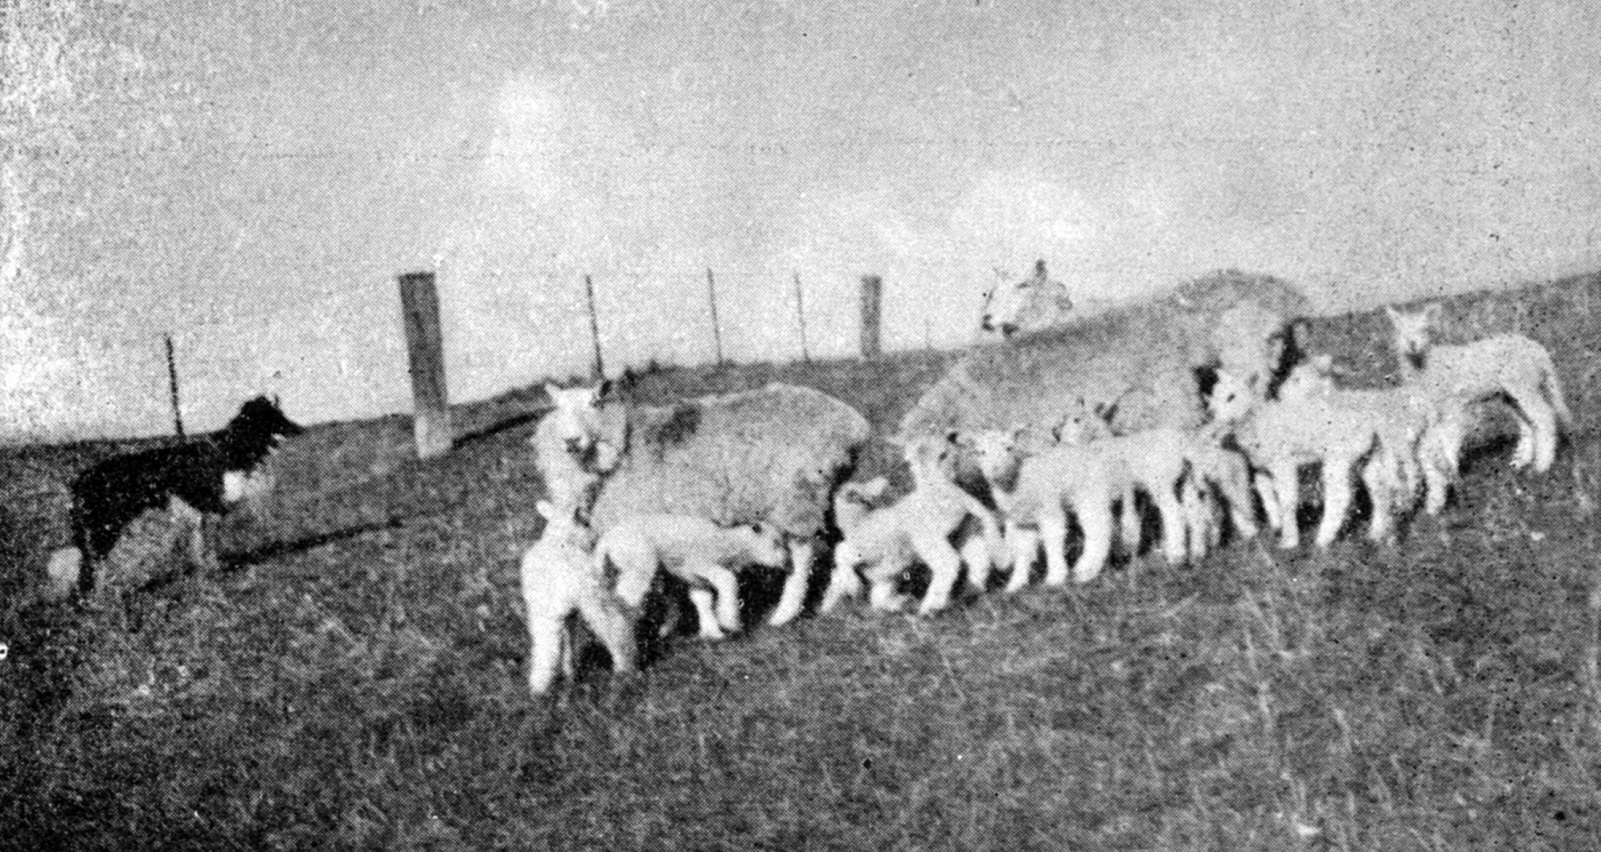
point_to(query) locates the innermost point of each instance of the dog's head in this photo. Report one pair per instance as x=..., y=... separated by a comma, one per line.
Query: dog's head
x=260, y=425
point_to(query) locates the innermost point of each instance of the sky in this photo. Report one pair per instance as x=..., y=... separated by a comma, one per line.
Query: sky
x=251, y=177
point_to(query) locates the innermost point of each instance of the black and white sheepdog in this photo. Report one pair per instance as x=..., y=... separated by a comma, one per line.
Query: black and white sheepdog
x=193, y=481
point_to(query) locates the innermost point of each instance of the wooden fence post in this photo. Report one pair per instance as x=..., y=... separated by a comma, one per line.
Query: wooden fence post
x=172, y=388
x=419, y=303
x=717, y=332
x=800, y=316
x=872, y=303
x=594, y=329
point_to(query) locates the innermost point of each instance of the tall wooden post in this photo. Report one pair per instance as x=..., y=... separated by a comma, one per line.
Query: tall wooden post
x=172, y=388
x=594, y=329
x=800, y=317
x=717, y=331
x=419, y=303
x=872, y=304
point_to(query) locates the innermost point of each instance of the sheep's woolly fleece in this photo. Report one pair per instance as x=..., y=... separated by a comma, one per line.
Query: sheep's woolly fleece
x=772, y=455
x=1140, y=358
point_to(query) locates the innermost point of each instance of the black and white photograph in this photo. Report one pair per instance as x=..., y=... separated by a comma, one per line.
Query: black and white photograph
x=792, y=425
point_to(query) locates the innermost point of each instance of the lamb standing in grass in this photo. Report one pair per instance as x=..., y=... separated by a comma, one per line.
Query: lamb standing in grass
x=693, y=549
x=559, y=580
x=882, y=541
x=1035, y=492
x=772, y=456
x=1509, y=365
x=1155, y=462
x=1282, y=435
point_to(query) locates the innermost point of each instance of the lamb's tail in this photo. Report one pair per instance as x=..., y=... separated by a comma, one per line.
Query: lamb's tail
x=62, y=573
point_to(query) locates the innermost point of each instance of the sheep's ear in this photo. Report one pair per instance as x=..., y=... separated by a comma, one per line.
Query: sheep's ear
x=1324, y=362
x=551, y=389
x=546, y=509
x=874, y=488
x=1039, y=269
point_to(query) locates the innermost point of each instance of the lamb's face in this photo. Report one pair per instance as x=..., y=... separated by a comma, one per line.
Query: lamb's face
x=1412, y=331
x=1081, y=424
x=1309, y=379
x=578, y=415
x=997, y=453
x=767, y=546
x=1232, y=397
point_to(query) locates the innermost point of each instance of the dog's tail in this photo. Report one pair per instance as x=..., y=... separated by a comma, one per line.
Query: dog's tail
x=61, y=574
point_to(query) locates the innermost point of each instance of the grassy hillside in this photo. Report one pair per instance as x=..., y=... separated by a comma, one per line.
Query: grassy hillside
x=354, y=678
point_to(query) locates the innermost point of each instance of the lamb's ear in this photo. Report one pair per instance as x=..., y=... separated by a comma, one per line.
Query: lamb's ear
x=1392, y=313
x=1323, y=363
x=546, y=509
x=605, y=389
x=874, y=488
x=551, y=389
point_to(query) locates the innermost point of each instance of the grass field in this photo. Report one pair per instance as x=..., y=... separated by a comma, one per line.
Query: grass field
x=354, y=677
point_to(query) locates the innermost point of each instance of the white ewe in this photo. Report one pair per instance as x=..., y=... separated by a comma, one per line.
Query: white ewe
x=882, y=541
x=1509, y=365
x=1035, y=493
x=696, y=551
x=1141, y=356
x=772, y=456
x=1280, y=436
x=559, y=578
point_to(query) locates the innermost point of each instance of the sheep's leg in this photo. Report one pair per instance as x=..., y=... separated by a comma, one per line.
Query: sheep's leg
x=1095, y=519
x=1053, y=532
x=1262, y=483
x=1131, y=525
x=1021, y=546
x=977, y=554
x=606, y=618
x=945, y=566
x=1284, y=478
x=1543, y=420
x=1241, y=507
x=1379, y=480
x=547, y=640
x=1200, y=522
x=727, y=588
x=1174, y=547
x=882, y=594
x=843, y=582
x=1336, y=498
x=800, y=572
x=710, y=629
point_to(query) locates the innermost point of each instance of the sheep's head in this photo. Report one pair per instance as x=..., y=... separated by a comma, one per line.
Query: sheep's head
x=1311, y=378
x=583, y=423
x=999, y=453
x=854, y=500
x=1011, y=306
x=1084, y=423
x=766, y=545
x=1233, y=397
x=1414, y=332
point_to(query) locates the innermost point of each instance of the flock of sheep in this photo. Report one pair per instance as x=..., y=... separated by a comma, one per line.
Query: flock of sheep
x=1201, y=402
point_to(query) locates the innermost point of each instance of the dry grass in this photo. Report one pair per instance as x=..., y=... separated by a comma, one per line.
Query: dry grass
x=354, y=679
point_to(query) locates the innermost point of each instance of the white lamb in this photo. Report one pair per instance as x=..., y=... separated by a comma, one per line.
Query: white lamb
x=1510, y=365
x=1155, y=463
x=568, y=446
x=559, y=579
x=1401, y=414
x=1212, y=473
x=1281, y=435
x=1036, y=491
x=693, y=549
x=882, y=541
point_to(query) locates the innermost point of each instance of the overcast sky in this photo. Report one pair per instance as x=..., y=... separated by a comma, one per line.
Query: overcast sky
x=251, y=176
